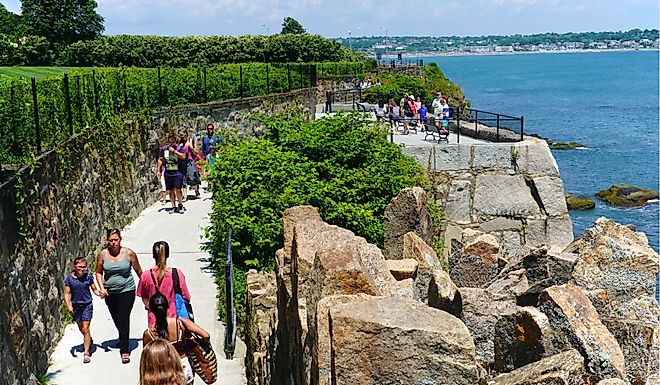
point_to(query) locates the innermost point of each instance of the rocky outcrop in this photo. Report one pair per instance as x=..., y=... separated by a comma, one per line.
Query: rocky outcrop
x=407, y=212
x=392, y=340
x=262, y=325
x=570, y=312
x=565, y=368
x=579, y=202
x=625, y=195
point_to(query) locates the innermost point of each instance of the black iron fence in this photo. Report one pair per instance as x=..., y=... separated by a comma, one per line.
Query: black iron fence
x=490, y=126
x=343, y=97
x=39, y=114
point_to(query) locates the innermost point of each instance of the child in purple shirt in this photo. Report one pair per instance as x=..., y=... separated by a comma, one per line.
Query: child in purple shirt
x=78, y=300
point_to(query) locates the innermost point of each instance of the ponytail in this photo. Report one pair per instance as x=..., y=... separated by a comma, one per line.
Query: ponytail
x=158, y=305
x=161, y=251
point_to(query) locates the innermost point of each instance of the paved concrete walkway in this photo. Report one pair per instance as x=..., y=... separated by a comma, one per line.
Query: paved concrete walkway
x=184, y=234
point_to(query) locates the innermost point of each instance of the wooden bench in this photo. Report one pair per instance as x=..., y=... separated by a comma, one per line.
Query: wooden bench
x=442, y=134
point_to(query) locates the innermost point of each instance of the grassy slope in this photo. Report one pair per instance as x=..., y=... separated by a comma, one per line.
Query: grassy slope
x=38, y=72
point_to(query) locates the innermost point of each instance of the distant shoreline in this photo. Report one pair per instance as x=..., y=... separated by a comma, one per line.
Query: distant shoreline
x=439, y=54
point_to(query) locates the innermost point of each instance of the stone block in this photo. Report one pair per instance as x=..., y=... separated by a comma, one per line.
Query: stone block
x=534, y=157
x=640, y=343
x=559, y=232
x=404, y=289
x=452, y=157
x=504, y=195
x=476, y=264
x=500, y=224
x=577, y=323
x=492, y=156
x=566, y=368
x=444, y=294
x=459, y=202
x=510, y=242
x=415, y=248
x=402, y=268
x=551, y=193
x=368, y=339
x=422, y=155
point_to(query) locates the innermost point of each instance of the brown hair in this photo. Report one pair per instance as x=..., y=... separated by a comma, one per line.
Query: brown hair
x=161, y=251
x=75, y=262
x=160, y=364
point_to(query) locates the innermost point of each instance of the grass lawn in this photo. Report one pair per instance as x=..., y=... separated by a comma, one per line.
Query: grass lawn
x=38, y=72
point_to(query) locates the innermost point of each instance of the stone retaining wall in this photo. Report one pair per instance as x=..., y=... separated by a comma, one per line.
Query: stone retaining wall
x=511, y=190
x=65, y=211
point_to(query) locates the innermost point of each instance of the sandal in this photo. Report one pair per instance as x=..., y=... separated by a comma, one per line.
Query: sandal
x=125, y=359
x=86, y=359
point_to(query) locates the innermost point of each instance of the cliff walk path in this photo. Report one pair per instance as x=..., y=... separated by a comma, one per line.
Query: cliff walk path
x=184, y=233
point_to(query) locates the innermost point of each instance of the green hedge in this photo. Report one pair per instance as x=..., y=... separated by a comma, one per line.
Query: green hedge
x=343, y=165
x=111, y=91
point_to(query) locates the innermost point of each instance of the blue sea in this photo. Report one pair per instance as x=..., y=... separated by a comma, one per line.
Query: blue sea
x=607, y=101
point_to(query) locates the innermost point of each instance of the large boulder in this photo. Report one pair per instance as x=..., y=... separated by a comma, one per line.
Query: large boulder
x=579, y=202
x=416, y=248
x=523, y=337
x=408, y=211
x=402, y=268
x=444, y=294
x=570, y=312
x=262, y=320
x=395, y=340
x=565, y=368
x=625, y=195
x=477, y=262
x=480, y=313
x=512, y=284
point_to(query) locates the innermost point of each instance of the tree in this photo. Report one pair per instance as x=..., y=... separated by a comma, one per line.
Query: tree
x=291, y=26
x=62, y=21
x=10, y=23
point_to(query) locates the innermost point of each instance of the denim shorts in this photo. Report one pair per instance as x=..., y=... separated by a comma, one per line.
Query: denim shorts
x=82, y=311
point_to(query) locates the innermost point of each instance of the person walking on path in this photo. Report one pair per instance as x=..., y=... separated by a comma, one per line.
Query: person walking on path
x=172, y=329
x=211, y=139
x=78, y=300
x=159, y=279
x=117, y=286
x=168, y=165
x=160, y=364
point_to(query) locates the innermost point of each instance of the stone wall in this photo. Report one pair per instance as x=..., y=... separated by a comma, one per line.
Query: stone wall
x=66, y=204
x=510, y=190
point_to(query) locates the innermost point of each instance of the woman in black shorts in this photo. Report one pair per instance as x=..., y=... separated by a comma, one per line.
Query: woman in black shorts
x=168, y=165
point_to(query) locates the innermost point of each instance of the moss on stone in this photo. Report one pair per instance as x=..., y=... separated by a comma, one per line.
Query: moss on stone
x=578, y=202
x=564, y=145
x=625, y=195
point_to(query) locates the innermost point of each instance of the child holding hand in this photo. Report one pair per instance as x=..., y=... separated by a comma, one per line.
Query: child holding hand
x=78, y=300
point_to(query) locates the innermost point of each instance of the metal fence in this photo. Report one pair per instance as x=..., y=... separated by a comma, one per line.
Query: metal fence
x=39, y=114
x=491, y=126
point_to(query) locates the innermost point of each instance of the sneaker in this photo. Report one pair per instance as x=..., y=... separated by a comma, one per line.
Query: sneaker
x=182, y=208
x=175, y=210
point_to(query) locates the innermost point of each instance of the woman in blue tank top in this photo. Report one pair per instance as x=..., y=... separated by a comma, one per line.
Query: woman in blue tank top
x=117, y=286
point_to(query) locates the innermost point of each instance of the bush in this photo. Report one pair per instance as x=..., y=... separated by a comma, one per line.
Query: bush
x=343, y=165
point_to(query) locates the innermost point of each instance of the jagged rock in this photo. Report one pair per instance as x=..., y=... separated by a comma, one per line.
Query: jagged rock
x=407, y=212
x=565, y=368
x=542, y=270
x=402, y=268
x=262, y=324
x=611, y=381
x=579, y=202
x=291, y=217
x=481, y=311
x=625, y=195
x=512, y=284
x=443, y=293
x=404, y=289
x=476, y=264
x=617, y=260
x=570, y=312
x=396, y=340
x=415, y=248
x=654, y=379
x=523, y=337
x=322, y=344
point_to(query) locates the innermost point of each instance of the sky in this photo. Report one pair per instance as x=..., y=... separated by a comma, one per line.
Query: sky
x=335, y=18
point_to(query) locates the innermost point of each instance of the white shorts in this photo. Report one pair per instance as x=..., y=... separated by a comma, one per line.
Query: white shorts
x=188, y=373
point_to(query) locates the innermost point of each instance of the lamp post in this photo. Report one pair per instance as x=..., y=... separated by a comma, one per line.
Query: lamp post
x=350, y=42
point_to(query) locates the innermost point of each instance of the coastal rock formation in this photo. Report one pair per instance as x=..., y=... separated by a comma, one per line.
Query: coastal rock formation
x=443, y=294
x=393, y=340
x=565, y=368
x=572, y=315
x=408, y=211
x=415, y=248
x=476, y=262
x=579, y=202
x=625, y=195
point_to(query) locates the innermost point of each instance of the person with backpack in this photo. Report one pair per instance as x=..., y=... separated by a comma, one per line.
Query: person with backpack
x=162, y=279
x=172, y=329
x=168, y=165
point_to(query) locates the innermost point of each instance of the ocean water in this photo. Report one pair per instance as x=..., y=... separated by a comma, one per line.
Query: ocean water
x=607, y=101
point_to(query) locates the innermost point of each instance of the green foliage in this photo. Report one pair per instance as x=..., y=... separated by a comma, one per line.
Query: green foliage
x=96, y=95
x=344, y=166
x=10, y=23
x=62, y=21
x=292, y=26
x=394, y=86
x=154, y=51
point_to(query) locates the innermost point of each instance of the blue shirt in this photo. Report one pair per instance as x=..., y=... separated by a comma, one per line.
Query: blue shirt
x=80, y=292
x=422, y=112
x=207, y=142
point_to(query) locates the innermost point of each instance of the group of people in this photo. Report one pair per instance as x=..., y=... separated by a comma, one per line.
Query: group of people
x=413, y=110
x=178, y=165
x=164, y=351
